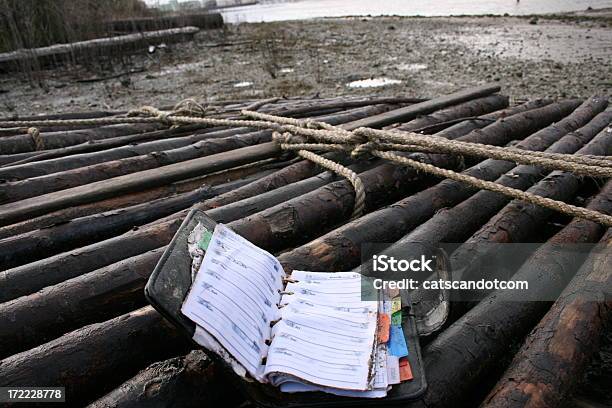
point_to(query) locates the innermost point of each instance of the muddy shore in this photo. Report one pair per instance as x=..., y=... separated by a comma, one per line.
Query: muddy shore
x=529, y=57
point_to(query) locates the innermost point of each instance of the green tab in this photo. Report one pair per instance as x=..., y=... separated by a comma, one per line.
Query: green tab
x=396, y=318
x=205, y=241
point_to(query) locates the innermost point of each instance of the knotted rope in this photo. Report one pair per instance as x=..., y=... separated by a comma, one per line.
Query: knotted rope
x=307, y=136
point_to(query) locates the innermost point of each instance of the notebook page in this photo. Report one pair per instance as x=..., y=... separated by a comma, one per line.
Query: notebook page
x=235, y=296
x=320, y=339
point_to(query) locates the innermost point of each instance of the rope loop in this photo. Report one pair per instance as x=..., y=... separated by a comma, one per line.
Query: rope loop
x=39, y=143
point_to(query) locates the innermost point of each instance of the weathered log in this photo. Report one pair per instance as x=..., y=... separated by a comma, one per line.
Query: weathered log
x=13, y=212
x=466, y=126
x=85, y=49
x=39, y=244
x=555, y=354
x=341, y=249
x=410, y=112
x=63, y=116
x=461, y=361
x=73, y=159
x=90, y=361
x=97, y=296
x=103, y=144
x=54, y=140
x=475, y=107
x=190, y=381
x=200, y=20
x=127, y=200
x=343, y=104
x=19, y=190
x=128, y=159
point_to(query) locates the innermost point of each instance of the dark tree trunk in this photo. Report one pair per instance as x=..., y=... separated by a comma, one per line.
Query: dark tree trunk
x=90, y=361
x=554, y=356
x=191, y=381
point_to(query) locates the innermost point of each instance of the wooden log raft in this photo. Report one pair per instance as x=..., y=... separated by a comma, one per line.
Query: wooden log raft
x=85, y=49
x=23, y=280
x=546, y=369
x=279, y=227
x=225, y=213
x=341, y=249
x=80, y=360
x=461, y=361
x=519, y=220
x=190, y=381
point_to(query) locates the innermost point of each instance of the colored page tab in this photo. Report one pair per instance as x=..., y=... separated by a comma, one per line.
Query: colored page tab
x=405, y=370
x=396, y=304
x=393, y=370
x=205, y=241
x=384, y=325
x=396, y=318
x=397, y=342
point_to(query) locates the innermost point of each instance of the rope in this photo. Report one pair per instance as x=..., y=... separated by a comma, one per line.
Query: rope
x=39, y=143
x=306, y=136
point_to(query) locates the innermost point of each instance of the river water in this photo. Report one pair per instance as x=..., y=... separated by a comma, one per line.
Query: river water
x=304, y=9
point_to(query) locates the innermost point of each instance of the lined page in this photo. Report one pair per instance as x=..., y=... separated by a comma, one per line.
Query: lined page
x=326, y=334
x=235, y=296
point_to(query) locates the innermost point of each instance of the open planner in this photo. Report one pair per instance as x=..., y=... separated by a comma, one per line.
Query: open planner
x=303, y=332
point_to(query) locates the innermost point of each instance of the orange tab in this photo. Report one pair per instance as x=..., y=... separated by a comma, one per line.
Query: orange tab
x=405, y=370
x=384, y=325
